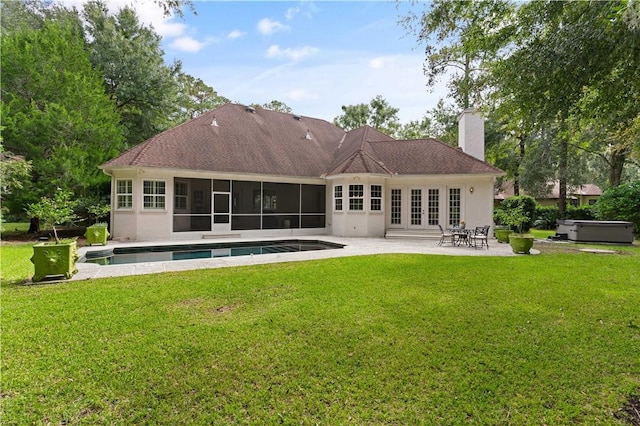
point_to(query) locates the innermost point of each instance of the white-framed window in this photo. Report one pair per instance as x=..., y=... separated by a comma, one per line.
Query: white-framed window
x=337, y=197
x=376, y=197
x=153, y=194
x=356, y=197
x=180, y=195
x=124, y=194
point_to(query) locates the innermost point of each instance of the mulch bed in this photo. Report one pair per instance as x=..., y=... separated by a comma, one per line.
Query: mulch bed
x=630, y=413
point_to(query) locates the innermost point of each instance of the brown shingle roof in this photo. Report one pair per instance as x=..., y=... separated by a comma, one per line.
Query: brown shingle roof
x=506, y=190
x=263, y=142
x=428, y=157
x=274, y=143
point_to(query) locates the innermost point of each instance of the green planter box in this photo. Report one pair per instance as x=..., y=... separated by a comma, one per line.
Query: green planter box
x=97, y=234
x=502, y=235
x=54, y=260
x=521, y=243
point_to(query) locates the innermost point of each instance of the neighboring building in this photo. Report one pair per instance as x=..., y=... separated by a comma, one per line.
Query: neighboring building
x=240, y=171
x=581, y=195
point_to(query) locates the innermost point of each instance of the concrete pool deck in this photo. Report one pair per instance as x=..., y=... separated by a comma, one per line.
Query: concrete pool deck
x=352, y=247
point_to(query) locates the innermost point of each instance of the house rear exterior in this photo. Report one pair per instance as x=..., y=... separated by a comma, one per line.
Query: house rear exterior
x=245, y=172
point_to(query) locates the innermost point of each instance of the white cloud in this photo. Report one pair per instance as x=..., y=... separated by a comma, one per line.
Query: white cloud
x=381, y=62
x=189, y=44
x=268, y=26
x=291, y=12
x=235, y=34
x=274, y=51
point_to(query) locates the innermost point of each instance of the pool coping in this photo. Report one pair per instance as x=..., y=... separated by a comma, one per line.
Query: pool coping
x=352, y=247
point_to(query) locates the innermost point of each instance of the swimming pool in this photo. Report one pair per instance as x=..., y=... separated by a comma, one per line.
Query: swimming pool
x=164, y=253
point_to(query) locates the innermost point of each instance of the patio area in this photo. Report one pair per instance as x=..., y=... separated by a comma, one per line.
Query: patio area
x=352, y=247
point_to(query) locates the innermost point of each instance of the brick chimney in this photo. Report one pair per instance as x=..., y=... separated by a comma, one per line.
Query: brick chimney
x=471, y=133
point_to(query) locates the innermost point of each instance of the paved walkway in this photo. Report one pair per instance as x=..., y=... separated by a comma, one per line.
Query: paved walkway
x=353, y=247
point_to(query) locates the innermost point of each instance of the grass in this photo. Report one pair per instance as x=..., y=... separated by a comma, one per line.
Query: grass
x=395, y=339
x=542, y=233
x=14, y=226
x=14, y=262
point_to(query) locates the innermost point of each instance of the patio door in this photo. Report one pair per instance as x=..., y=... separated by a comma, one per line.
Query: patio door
x=416, y=209
x=221, y=211
x=433, y=207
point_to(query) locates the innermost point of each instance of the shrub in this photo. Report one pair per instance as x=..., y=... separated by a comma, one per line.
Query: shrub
x=526, y=206
x=580, y=213
x=621, y=202
x=54, y=211
x=515, y=217
x=545, y=217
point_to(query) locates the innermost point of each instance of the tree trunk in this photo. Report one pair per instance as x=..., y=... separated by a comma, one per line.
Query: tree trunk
x=34, y=226
x=467, y=79
x=516, y=175
x=562, y=175
x=618, y=158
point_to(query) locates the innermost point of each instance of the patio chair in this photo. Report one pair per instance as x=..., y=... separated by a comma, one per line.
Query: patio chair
x=444, y=235
x=480, y=235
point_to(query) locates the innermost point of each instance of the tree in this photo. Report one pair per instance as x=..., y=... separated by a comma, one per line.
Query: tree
x=621, y=203
x=458, y=46
x=14, y=171
x=377, y=114
x=277, y=106
x=415, y=129
x=143, y=88
x=20, y=15
x=53, y=211
x=444, y=123
x=558, y=50
x=55, y=111
x=195, y=98
x=174, y=7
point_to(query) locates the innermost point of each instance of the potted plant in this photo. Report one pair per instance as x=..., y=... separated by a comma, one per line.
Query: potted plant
x=517, y=218
x=59, y=257
x=502, y=233
x=97, y=234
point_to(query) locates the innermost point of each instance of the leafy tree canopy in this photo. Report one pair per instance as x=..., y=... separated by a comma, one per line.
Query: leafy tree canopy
x=144, y=89
x=55, y=110
x=378, y=113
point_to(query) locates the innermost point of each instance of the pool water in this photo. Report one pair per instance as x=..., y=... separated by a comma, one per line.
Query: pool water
x=127, y=255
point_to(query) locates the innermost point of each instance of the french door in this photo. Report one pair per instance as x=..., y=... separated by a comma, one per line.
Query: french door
x=416, y=209
x=423, y=208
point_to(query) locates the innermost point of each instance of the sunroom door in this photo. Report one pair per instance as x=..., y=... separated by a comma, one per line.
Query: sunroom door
x=221, y=211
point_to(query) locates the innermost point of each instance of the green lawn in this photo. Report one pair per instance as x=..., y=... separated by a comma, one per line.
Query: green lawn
x=395, y=339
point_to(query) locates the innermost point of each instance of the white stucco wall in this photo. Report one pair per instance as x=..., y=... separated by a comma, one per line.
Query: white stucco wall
x=138, y=224
x=365, y=223
x=475, y=206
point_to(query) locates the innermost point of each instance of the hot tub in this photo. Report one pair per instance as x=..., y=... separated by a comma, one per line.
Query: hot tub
x=600, y=231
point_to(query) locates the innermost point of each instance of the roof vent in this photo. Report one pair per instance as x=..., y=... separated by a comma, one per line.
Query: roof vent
x=297, y=117
x=214, y=123
x=308, y=137
x=251, y=109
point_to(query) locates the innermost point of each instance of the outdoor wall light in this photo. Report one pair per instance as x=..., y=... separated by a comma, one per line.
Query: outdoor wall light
x=471, y=189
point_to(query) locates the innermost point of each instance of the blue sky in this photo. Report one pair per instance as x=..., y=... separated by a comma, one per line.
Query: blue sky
x=315, y=56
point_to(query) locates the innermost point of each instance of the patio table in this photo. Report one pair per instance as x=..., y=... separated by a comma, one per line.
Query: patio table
x=459, y=235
